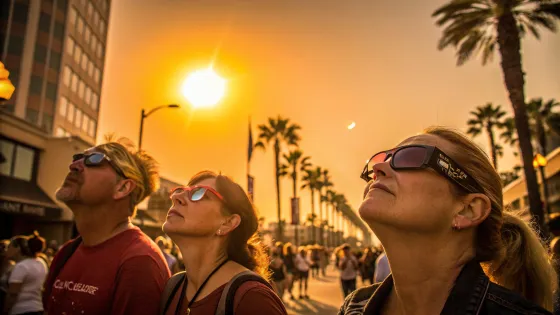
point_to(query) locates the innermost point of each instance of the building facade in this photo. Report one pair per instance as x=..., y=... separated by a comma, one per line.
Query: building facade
x=55, y=52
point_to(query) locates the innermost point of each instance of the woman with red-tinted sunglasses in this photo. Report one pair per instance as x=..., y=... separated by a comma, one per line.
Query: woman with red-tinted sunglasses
x=435, y=202
x=214, y=224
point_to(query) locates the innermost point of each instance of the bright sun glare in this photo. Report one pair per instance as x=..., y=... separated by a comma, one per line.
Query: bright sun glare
x=204, y=88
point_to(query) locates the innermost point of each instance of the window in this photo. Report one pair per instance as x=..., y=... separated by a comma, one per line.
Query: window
x=47, y=122
x=63, y=106
x=81, y=89
x=90, y=68
x=60, y=132
x=58, y=30
x=99, y=51
x=7, y=152
x=94, y=101
x=51, y=91
x=15, y=46
x=66, y=76
x=62, y=4
x=19, y=160
x=93, y=43
x=70, y=116
x=91, y=131
x=32, y=115
x=74, y=83
x=87, y=35
x=80, y=25
x=77, y=54
x=35, y=85
x=85, y=60
x=70, y=46
x=89, y=9
x=54, y=60
x=40, y=53
x=72, y=16
x=102, y=27
x=96, y=19
x=516, y=204
x=20, y=12
x=45, y=22
x=88, y=95
x=85, y=124
x=97, y=75
x=23, y=166
x=78, y=119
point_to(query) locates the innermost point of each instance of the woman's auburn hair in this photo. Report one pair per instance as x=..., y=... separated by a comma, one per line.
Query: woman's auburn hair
x=243, y=245
x=507, y=245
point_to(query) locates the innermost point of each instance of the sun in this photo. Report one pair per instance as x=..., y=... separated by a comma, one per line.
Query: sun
x=204, y=88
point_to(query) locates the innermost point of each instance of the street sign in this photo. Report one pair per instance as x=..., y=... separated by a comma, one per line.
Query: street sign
x=295, y=211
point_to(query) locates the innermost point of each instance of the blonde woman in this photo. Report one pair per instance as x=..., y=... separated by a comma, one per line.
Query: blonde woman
x=435, y=203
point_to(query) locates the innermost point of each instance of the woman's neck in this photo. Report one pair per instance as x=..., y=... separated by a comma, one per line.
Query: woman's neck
x=201, y=257
x=424, y=271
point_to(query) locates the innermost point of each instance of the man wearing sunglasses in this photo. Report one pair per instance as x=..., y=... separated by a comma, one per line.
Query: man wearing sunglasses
x=113, y=267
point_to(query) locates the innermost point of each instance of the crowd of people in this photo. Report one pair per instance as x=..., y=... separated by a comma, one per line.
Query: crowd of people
x=434, y=201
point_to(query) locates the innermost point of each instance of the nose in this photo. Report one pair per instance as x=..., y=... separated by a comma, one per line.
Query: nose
x=77, y=166
x=381, y=169
x=177, y=198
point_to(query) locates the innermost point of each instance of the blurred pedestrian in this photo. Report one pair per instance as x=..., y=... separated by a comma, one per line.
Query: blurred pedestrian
x=214, y=224
x=382, y=268
x=26, y=280
x=278, y=272
x=303, y=264
x=436, y=204
x=113, y=267
x=349, y=267
x=292, y=272
x=368, y=265
x=171, y=260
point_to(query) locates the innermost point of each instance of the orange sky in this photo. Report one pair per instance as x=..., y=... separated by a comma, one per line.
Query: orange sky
x=322, y=63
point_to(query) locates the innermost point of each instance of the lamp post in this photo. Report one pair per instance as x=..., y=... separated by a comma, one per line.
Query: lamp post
x=145, y=115
x=540, y=162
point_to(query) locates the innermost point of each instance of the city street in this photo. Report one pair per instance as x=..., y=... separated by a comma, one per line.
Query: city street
x=325, y=296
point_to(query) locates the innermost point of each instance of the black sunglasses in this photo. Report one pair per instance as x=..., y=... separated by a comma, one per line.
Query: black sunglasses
x=95, y=159
x=416, y=157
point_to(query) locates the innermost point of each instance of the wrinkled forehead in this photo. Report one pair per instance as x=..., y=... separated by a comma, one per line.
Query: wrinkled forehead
x=206, y=182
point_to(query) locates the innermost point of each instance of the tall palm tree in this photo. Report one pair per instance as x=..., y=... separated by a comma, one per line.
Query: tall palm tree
x=293, y=163
x=279, y=132
x=329, y=200
x=324, y=184
x=542, y=121
x=339, y=200
x=487, y=118
x=310, y=181
x=481, y=25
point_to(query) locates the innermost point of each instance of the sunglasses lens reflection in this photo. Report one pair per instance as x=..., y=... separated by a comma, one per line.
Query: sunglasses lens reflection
x=410, y=157
x=197, y=194
x=95, y=159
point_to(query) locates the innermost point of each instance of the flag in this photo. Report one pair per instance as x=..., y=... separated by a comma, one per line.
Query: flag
x=250, y=146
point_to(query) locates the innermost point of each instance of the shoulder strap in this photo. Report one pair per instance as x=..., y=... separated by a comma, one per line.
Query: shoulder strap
x=225, y=305
x=169, y=291
x=63, y=256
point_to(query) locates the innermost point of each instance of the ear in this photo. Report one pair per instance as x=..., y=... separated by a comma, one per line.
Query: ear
x=123, y=188
x=476, y=209
x=231, y=223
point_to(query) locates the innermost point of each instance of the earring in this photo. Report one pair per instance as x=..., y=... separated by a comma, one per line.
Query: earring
x=219, y=232
x=456, y=226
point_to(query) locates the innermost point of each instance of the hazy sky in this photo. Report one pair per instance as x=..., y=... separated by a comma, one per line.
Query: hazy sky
x=321, y=63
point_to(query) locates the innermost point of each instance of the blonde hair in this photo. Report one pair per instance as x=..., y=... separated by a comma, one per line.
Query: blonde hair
x=510, y=250
x=137, y=166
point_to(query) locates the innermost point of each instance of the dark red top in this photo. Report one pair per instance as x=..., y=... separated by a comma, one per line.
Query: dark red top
x=250, y=298
x=124, y=275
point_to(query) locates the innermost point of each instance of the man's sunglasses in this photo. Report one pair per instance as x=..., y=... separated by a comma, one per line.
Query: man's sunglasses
x=416, y=157
x=195, y=193
x=95, y=159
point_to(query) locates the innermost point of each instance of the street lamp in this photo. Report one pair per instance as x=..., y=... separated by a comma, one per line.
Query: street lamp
x=145, y=115
x=6, y=86
x=540, y=162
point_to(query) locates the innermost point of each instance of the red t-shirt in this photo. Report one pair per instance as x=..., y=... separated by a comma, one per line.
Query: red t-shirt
x=124, y=275
x=250, y=298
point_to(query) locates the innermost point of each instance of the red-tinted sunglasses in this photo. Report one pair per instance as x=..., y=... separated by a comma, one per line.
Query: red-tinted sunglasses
x=195, y=193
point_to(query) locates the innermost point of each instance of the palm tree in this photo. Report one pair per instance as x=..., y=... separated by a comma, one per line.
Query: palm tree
x=339, y=200
x=542, y=120
x=279, y=132
x=324, y=183
x=486, y=118
x=509, y=176
x=310, y=180
x=294, y=162
x=329, y=198
x=481, y=25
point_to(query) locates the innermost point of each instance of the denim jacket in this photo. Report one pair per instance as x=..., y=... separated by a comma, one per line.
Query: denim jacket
x=472, y=294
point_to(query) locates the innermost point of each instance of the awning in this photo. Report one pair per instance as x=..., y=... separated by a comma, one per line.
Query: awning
x=26, y=198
